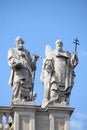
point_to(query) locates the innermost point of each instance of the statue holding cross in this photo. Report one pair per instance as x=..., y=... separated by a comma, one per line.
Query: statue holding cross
x=58, y=74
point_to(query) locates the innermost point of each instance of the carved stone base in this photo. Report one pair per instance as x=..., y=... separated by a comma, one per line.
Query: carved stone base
x=23, y=103
x=33, y=117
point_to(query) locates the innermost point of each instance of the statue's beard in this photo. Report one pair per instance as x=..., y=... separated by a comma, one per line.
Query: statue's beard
x=59, y=49
x=20, y=48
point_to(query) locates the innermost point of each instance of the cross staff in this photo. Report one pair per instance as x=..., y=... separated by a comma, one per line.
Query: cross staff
x=76, y=42
x=36, y=57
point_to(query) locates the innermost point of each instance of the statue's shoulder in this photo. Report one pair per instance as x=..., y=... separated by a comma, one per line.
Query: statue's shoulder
x=12, y=50
x=66, y=54
x=26, y=51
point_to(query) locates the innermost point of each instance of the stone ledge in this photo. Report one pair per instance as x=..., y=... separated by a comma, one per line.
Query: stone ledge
x=32, y=107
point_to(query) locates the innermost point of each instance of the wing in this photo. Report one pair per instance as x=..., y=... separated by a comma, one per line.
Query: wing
x=48, y=51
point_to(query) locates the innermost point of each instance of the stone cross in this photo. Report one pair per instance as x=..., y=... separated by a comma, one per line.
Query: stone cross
x=76, y=42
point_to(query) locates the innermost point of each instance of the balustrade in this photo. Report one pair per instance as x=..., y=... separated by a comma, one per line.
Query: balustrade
x=6, y=118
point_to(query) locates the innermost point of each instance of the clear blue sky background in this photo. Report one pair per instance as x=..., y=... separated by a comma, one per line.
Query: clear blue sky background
x=41, y=22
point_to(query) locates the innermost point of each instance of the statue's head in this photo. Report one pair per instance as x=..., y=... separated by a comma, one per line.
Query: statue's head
x=19, y=43
x=59, y=45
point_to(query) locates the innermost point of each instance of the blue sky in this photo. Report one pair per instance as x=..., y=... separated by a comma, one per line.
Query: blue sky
x=41, y=22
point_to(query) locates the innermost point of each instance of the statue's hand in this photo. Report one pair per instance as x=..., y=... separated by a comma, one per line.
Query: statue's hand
x=17, y=65
x=75, y=55
x=36, y=57
x=74, y=59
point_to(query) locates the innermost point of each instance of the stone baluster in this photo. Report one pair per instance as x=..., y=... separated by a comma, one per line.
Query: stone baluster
x=11, y=124
x=1, y=124
x=7, y=121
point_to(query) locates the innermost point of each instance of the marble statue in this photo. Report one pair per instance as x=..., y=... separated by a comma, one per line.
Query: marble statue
x=58, y=74
x=22, y=67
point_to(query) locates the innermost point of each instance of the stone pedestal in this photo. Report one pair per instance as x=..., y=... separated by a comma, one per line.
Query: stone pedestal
x=32, y=117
